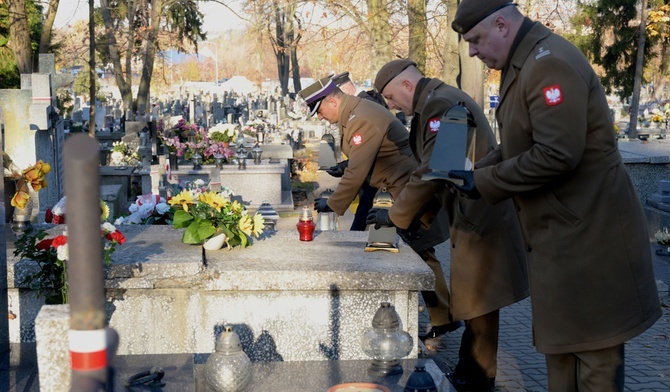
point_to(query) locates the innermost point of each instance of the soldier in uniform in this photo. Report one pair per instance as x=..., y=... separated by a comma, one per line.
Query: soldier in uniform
x=367, y=192
x=378, y=148
x=488, y=265
x=589, y=258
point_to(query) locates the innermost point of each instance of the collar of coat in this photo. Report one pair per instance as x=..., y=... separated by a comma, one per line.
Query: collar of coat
x=518, y=56
x=423, y=93
x=344, y=115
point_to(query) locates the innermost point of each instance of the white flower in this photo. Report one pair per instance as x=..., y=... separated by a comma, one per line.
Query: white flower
x=146, y=210
x=62, y=252
x=133, y=208
x=108, y=227
x=199, y=182
x=162, y=208
x=119, y=221
x=59, y=208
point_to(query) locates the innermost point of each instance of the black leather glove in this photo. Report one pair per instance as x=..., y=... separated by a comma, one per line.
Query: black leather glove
x=338, y=170
x=321, y=205
x=468, y=188
x=379, y=217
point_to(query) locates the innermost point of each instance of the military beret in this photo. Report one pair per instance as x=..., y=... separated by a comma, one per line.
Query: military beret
x=389, y=71
x=341, y=79
x=316, y=92
x=471, y=12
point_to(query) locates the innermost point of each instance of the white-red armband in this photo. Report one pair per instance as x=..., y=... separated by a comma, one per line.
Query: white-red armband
x=88, y=349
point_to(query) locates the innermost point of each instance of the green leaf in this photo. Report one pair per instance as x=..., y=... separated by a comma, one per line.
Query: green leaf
x=181, y=219
x=198, y=231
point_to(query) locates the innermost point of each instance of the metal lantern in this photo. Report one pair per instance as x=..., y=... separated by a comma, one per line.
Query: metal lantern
x=228, y=369
x=197, y=161
x=270, y=216
x=241, y=157
x=385, y=342
x=256, y=152
x=383, y=238
x=327, y=220
x=420, y=380
x=191, y=136
x=219, y=160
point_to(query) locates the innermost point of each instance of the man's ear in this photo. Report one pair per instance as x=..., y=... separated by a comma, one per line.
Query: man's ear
x=407, y=85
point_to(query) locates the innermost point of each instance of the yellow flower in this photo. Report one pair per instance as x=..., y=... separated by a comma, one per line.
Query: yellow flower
x=259, y=224
x=104, y=209
x=35, y=174
x=236, y=207
x=20, y=199
x=245, y=224
x=184, y=198
x=213, y=199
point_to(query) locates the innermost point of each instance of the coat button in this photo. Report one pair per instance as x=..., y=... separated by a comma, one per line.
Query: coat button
x=453, y=245
x=530, y=249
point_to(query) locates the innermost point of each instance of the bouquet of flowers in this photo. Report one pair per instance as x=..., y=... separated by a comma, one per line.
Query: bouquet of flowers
x=124, y=154
x=210, y=213
x=147, y=210
x=51, y=256
x=226, y=133
x=56, y=215
x=31, y=178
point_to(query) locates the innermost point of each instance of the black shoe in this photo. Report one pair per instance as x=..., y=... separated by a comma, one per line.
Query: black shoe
x=462, y=385
x=439, y=330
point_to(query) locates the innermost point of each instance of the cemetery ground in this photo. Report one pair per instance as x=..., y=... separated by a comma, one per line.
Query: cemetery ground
x=520, y=367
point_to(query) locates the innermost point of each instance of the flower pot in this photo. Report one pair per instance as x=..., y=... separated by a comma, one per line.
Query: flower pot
x=215, y=243
x=174, y=161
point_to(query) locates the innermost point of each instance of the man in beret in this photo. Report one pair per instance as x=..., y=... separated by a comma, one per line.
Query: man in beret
x=378, y=148
x=488, y=265
x=589, y=261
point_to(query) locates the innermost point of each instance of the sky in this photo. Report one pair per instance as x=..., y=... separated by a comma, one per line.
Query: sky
x=70, y=11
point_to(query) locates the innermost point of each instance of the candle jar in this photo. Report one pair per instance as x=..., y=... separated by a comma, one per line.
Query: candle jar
x=306, y=225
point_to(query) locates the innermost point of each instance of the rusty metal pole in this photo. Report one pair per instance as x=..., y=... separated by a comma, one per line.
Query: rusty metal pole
x=88, y=333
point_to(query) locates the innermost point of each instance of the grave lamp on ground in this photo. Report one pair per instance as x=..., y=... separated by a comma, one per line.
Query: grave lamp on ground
x=241, y=157
x=219, y=160
x=228, y=368
x=270, y=216
x=260, y=136
x=385, y=237
x=256, y=153
x=327, y=220
x=386, y=343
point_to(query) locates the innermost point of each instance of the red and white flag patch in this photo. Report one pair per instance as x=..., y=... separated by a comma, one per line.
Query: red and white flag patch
x=434, y=124
x=553, y=95
x=357, y=139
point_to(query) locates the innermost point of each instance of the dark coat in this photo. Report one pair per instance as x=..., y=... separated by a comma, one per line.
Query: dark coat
x=488, y=265
x=592, y=284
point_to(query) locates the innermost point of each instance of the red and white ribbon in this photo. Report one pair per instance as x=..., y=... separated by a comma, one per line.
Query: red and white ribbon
x=88, y=349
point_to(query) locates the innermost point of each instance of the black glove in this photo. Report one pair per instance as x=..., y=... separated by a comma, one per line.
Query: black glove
x=468, y=188
x=321, y=205
x=338, y=170
x=379, y=217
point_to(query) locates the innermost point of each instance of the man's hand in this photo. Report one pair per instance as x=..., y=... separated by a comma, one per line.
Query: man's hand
x=338, y=170
x=468, y=188
x=321, y=205
x=379, y=217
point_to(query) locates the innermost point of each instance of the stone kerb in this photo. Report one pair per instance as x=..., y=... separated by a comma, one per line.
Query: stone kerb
x=289, y=300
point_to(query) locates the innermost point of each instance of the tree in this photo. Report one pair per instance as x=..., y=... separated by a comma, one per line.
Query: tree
x=20, y=27
x=137, y=29
x=416, y=12
x=607, y=33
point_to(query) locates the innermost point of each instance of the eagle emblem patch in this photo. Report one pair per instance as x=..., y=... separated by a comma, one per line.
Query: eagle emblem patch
x=357, y=139
x=434, y=124
x=553, y=95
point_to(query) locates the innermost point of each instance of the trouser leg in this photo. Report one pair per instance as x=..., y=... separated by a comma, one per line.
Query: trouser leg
x=597, y=370
x=438, y=300
x=478, y=354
